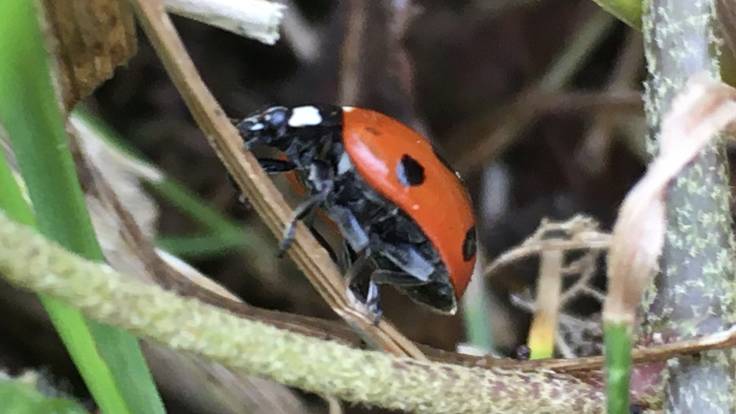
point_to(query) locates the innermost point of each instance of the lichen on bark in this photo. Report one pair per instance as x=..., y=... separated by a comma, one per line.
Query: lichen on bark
x=693, y=293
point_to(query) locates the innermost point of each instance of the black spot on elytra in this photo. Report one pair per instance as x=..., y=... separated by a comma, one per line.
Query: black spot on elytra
x=409, y=171
x=469, y=244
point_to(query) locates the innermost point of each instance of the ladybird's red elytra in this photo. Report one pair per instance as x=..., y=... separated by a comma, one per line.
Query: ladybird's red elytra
x=395, y=201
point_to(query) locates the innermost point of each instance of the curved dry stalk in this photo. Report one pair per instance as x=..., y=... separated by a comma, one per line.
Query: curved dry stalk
x=268, y=202
x=583, y=234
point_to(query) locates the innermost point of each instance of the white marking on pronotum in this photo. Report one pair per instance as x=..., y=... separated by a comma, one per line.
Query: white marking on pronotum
x=304, y=116
x=348, y=108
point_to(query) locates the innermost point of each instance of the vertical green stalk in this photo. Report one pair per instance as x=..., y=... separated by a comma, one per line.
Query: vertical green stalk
x=617, y=341
x=476, y=308
x=109, y=360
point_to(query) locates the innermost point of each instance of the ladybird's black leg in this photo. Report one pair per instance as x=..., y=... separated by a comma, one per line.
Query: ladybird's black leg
x=407, y=258
x=363, y=288
x=275, y=166
x=345, y=256
x=373, y=301
x=324, y=243
x=320, y=181
x=301, y=211
x=397, y=278
x=241, y=197
x=349, y=226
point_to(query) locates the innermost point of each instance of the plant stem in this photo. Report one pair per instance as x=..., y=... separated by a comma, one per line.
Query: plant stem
x=693, y=295
x=315, y=365
x=618, y=366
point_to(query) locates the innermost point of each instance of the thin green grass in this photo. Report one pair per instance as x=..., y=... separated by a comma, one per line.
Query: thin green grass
x=476, y=309
x=221, y=234
x=109, y=360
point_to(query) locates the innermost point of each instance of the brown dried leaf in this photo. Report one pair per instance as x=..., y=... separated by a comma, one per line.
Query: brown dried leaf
x=88, y=39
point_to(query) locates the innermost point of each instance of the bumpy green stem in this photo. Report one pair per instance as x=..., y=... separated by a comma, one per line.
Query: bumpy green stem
x=693, y=294
x=319, y=366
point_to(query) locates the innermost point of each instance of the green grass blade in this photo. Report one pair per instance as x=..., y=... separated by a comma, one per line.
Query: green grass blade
x=222, y=234
x=71, y=326
x=109, y=360
x=476, y=311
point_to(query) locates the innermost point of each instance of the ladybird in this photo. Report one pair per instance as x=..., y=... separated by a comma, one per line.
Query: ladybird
x=398, y=205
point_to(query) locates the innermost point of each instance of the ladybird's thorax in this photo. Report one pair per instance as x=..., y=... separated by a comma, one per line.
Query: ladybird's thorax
x=292, y=128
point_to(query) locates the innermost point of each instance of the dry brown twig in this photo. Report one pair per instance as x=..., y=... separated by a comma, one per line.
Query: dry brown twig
x=255, y=184
x=583, y=234
x=551, y=241
x=547, y=303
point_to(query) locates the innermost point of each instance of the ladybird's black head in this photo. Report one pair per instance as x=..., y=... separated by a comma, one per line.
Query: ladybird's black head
x=278, y=125
x=267, y=127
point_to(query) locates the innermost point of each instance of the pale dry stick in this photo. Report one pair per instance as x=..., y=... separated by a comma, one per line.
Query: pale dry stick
x=547, y=304
x=549, y=296
x=268, y=202
x=564, y=320
x=257, y=19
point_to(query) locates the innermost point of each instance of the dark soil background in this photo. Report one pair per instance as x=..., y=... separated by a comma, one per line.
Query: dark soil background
x=453, y=70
